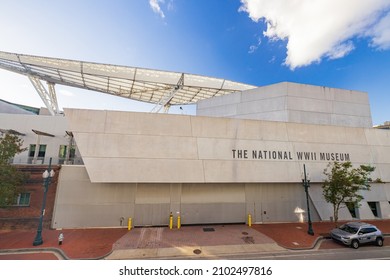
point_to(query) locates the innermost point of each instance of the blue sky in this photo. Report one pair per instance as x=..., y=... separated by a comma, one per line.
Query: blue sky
x=260, y=42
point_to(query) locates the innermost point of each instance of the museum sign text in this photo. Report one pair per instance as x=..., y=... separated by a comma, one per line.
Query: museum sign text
x=288, y=155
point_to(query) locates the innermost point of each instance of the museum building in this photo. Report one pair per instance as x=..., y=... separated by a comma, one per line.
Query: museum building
x=243, y=153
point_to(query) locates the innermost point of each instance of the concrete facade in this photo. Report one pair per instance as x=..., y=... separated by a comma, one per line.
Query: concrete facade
x=244, y=154
x=291, y=102
x=127, y=147
x=209, y=170
x=80, y=203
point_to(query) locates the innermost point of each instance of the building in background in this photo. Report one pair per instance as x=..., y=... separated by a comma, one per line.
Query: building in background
x=43, y=135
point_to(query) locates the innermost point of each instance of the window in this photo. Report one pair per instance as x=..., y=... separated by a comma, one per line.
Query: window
x=31, y=153
x=63, y=150
x=23, y=199
x=352, y=209
x=374, y=206
x=367, y=230
x=41, y=152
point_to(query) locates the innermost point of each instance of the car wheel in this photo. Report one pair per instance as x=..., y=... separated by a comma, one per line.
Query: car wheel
x=355, y=244
x=379, y=242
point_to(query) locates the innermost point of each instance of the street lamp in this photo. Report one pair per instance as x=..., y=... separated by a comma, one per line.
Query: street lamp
x=47, y=175
x=306, y=185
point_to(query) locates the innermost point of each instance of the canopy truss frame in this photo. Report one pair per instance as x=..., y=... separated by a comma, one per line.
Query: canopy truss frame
x=158, y=87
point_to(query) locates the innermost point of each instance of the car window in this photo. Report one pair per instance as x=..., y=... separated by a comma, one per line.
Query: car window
x=349, y=229
x=363, y=231
x=371, y=229
x=367, y=230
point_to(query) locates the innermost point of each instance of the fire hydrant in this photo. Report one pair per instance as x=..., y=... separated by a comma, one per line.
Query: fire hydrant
x=60, y=238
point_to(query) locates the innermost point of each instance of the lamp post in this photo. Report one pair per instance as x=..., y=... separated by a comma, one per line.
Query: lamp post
x=47, y=175
x=306, y=185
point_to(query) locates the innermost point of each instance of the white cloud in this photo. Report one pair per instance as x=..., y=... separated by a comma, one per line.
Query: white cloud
x=253, y=48
x=381, y=33
x=155, y=5
x=272, y=60
x=317, y=29
x=340, y=50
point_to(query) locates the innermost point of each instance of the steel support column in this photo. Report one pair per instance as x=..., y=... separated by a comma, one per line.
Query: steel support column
x=165, y=100
x=49, y=98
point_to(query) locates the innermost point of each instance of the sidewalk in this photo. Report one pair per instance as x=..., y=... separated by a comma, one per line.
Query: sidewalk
x=155, y=242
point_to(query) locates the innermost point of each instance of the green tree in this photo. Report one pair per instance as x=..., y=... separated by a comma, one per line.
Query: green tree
x=11, y=180
x=343, y=184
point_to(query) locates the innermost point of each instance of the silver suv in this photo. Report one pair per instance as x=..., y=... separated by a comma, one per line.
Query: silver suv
x=355, y=233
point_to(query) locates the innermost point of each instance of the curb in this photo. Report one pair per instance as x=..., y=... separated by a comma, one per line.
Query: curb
x=37, y=250
x=53, y=250
x=315, y=243
x=318, y=240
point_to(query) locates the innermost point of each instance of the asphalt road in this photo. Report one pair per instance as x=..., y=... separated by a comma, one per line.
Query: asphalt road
x=327, y=250
x=363, y=253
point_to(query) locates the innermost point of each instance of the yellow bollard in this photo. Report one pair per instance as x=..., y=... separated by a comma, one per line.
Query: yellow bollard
x=170, y=221
x=129, y=224
x=178, y=222
x=249, y=220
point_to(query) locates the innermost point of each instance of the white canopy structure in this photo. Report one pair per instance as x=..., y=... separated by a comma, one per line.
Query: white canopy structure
x=158, y=87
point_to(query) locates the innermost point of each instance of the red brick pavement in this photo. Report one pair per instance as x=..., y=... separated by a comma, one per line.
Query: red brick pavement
x=97, y=243
x=78, y=243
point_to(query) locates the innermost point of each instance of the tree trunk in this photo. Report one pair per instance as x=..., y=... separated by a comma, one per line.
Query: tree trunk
x=336, y=213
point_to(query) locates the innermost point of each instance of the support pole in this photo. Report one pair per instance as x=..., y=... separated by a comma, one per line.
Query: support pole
x=38, y=238
x=170, y=221
x=36, y=152
x=129, y=224
x=306, y=185
x=178, y=222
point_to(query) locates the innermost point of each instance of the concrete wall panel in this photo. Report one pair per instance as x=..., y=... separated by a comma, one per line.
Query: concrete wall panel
x=144, y=170
x=212, y=193
x=377, y=137
x=227, y=110
x=275, y=116
x=250, y=171
x=213, y=213
x=110, y=205
x=309, y=104
x=350, y=96
x=203, y=127
x=385, y=209
x=153, y=194
x=265, y=105
x=309, y=117
x=92, y=121
x=149, y=214
x=137, y=146
x=147, y=124
x=299, y=103
x=203, y=152
x=222, y=100
x=265, y=92
x=351, y=109
x=351, y=121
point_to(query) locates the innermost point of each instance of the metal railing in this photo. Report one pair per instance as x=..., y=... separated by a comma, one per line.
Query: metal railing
x=45, y=161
